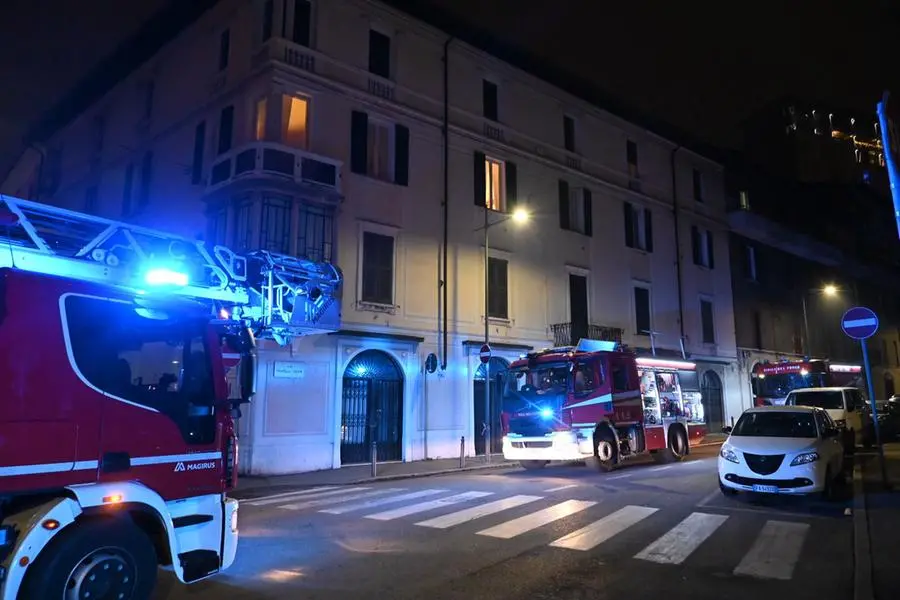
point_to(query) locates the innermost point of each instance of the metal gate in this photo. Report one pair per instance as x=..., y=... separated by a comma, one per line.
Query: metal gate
x=498, y=369
x=711, y=389
x=371, y=409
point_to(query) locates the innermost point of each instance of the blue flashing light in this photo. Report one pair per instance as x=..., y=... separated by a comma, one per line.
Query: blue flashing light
x=162, y=276
x=546, y=413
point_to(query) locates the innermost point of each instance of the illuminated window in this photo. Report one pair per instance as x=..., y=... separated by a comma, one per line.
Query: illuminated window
x=260, y=119
x=745, y=200
x=295, y=121
x=493, y=184
x=379, y=151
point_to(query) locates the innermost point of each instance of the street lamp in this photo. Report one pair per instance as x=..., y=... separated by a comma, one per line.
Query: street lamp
x=519, y=215
x=829, y=290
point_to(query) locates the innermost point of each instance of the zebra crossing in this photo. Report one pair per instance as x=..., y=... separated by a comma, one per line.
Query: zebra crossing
x=773, y=554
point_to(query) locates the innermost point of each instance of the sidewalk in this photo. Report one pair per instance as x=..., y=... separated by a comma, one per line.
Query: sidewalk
x=878, y=527
x=356, y=474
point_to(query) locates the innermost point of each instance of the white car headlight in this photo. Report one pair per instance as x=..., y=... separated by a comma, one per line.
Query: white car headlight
x=728, y=453
x=805, y=458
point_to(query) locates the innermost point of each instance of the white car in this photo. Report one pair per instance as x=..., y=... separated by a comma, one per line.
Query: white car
x=782, y=450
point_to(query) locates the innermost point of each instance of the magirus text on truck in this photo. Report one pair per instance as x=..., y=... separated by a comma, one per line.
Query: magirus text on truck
x=125, y=355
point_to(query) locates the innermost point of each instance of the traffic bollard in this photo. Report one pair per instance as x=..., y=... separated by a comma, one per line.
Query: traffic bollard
x=462, y=452
x=374, y=459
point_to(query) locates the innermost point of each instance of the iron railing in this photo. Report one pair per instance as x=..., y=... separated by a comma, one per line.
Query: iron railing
x=568, y=334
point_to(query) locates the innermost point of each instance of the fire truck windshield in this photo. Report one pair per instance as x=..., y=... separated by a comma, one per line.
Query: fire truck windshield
x=540, y=380
x=778, y=386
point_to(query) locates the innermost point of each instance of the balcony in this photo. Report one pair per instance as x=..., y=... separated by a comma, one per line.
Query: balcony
x=278, y=166
x=568, y=334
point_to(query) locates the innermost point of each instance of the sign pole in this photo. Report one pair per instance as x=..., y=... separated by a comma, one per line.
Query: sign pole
x=865, y=353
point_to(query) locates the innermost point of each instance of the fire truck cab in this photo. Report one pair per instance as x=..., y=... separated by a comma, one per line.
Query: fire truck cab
x=598, y=401
x=771, y=382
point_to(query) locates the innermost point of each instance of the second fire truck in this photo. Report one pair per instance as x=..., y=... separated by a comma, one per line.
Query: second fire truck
x=772, y=382
x=599, y=401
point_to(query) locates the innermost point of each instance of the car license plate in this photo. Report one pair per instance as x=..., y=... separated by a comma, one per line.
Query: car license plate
x=765, y=489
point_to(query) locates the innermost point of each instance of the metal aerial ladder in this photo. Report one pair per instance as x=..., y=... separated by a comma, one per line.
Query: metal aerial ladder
x=280, y=296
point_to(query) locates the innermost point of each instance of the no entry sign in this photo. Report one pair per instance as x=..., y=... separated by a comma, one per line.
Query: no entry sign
x=485, y=354
x=859, y=323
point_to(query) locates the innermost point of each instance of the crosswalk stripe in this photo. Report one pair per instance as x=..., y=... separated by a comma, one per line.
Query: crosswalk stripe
x=381, y=501
x=321, y=501
x=515, y=527
x=680, y=541
x=307, y=494
x=476, y=512
x=286, y=495
x=412, y=509
x=775, y=551
x=600, y=531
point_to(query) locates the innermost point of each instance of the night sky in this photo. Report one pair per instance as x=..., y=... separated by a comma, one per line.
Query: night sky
x=701, y=65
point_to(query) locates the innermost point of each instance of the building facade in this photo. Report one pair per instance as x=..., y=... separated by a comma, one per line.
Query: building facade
x=350, y=132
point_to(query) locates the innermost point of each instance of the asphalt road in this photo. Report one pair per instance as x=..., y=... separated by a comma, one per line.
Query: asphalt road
x=566, y=533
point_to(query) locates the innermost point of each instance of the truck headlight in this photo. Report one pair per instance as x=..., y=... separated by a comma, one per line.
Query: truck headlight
x=805, y=458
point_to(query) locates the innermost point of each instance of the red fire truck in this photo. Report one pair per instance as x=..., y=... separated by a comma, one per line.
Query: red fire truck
x=127, y=355
x=771, y=382
x=598, y=401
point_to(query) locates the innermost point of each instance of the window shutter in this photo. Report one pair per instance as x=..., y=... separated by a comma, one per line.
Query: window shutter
x=512, y=186
x=648, y=228
x=401, y=155
x=588, y=213
x=709, y=250
x=629, y=224
x=359, y=137
x=695, y=245
x=480, y=185
x=564, y=204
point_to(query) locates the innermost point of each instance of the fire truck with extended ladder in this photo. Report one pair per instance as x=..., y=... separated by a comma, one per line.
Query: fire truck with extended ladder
x=127, y=353
x=771, y=382
x=599, y=401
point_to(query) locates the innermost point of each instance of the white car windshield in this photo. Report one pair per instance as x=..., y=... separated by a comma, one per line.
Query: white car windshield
x=820, y=399
x=776, y=424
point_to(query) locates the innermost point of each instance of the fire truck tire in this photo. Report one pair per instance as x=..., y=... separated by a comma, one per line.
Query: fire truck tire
x=677, y=447
x=103, y=558
x=533, y=465
x=606, y=455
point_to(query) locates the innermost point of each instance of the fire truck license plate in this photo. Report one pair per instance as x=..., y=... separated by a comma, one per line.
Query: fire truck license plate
x=765, y=489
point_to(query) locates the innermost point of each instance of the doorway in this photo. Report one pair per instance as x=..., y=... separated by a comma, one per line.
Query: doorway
x=578, y=307
x=497, y=371
x=711, y=389
x=372, y=409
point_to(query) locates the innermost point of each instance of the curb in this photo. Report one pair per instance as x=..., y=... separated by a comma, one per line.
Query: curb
x=862, y=571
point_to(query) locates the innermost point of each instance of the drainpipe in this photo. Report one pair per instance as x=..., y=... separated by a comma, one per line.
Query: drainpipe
x=678, y=250
x=442, y=282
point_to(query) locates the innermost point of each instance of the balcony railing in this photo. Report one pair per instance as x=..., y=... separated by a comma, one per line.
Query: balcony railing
x=568, y=334
x=269, y=159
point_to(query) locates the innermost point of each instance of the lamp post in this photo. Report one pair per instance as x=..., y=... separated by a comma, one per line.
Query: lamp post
x=830, y=291
x=519, y=215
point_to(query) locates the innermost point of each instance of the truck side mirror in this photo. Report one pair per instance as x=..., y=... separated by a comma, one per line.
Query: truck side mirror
x=247, y=376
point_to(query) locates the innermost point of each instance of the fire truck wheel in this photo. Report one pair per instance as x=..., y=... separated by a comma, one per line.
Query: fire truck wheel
x=606, y=455
x=677, y=447
x=533, y=465
x=97, y=559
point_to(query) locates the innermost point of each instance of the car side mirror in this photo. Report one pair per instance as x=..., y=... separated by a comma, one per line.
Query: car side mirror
x=727, y=430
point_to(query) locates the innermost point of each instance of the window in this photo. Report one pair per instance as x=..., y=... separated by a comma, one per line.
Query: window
x=224, y=49
x=379, y=150
x=569, y=133
x=294, y=121
x=495, y=183
x=146, y=179
x=267, y=19
x=744, y=199
x=379, y=54
x=315, y=234
x=587, y=377
x=638, y=227
x=642, y=320
x=750, y=262
x=702, y=245
x=259, y=119
x=153, y=361
x=378, y=269
x=226, y=129
x=301, y=23
x=707, y=322
x=575, y=209
x=757, y=330
x=498, y=288
x=127, y=186
x=619, y=376
x=199, y=145
x=489, y=100
x=90, y=199
x=698, y=185
x=631, y=155
x=275, y=224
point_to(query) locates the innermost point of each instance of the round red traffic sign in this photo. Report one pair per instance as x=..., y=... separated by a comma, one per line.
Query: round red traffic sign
x=485, y=354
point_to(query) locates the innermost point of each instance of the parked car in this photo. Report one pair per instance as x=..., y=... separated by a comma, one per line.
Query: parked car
x=846, y=406
x=782, y=450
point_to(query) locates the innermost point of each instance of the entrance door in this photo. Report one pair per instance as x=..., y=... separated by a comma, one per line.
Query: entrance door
x=711, y=388
x=578, y=307
x=498, y=368
x=371, y=409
